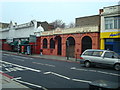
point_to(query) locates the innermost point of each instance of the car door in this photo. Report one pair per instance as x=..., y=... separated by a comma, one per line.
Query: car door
x=110, y=58
x=97, y=57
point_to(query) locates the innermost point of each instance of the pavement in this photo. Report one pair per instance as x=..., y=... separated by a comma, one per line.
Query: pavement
x=7, y=82
x=51, y=57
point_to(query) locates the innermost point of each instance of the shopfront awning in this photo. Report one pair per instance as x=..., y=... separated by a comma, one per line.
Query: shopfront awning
x=14, y=43
x=24, y=42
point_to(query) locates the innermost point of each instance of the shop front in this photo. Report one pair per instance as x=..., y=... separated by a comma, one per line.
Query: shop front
x=110, y=41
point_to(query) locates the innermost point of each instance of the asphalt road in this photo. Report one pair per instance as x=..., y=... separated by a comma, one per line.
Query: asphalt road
x=46, y=74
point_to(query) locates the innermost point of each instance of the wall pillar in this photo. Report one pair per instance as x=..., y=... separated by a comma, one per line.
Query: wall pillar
x=102, y=44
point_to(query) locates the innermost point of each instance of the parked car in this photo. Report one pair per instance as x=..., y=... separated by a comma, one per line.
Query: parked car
x=92, y=57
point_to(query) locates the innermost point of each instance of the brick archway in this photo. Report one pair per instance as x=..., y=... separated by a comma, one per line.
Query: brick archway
x=70, y=47
x=86, y=43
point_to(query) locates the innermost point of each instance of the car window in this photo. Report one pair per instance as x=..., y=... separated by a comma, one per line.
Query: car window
x=97, y=53
x=108, y=54
x=89, y=53
x=116, y=55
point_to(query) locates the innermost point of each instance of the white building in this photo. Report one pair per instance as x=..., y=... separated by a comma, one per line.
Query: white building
x=110, y=28
x=20, y=32
x=23, y=34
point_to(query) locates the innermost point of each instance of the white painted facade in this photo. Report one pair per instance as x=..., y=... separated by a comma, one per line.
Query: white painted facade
x=20, y=31
x=111, y=11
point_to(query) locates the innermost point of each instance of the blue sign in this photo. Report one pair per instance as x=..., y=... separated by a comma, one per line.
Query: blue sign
x=115, y=34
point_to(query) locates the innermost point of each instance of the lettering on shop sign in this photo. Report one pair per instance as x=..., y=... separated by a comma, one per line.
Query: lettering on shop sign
x=115, y=34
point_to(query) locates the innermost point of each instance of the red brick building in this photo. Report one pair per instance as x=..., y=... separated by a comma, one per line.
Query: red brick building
x=72, y=41
x=65, y=42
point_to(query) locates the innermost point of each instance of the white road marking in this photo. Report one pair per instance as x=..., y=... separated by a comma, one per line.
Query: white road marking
x=17, y=68
x=21, y=57
x=114, y=74
x=7, y=69
x=21, y=66
x=18, y=59
x=47, y=73
x=50, y=65
x=77, y=80
x=28, y=83
x=44, y=64
x=62, y=76
x=16, y=78
x=6, y=54
x=12, y=69
x=81, y=81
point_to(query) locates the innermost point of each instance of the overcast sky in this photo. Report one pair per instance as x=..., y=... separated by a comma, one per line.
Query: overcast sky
x=49, y=10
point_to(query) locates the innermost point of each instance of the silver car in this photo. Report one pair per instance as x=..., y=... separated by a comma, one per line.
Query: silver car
x=92, y=57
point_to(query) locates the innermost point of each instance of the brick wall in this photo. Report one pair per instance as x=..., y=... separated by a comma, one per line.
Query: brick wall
x=88, y=21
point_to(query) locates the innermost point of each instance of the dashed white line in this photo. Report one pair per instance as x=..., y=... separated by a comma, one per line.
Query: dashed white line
x=60, y=75
x=47, y=73
x=65, y=77
x=84, y=81
x=44, y=64
x=18, y=59
x=56, y=74
x=114, y=74
x=22, y=57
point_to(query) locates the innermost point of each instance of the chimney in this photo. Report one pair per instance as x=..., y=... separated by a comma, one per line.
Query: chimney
x=100, y=11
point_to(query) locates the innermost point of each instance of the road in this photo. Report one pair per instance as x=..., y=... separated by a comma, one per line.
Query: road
x=46, y=74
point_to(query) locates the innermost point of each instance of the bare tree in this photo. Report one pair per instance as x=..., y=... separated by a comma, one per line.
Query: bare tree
x=58, y=23
x=71, y=25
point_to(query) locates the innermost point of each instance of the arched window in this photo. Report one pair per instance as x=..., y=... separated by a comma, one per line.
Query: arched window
x=45, y=43
x=86, y=43
x=52, y=43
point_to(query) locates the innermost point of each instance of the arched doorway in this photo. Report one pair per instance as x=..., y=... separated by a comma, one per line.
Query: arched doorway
x=70, y=47
x=86, y=43
x=59, y=45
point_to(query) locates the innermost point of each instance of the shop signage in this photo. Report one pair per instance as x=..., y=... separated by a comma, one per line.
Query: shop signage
x=115, y=34
x=32, y=38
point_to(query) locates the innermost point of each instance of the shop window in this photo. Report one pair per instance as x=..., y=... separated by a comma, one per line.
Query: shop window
x=45, y=43
x=52, y=43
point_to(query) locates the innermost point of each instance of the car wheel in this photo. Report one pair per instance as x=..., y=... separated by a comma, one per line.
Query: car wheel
x=87, y=64
x=117, y=66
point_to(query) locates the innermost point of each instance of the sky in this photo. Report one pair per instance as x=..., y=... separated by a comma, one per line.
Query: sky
x=23, y=11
